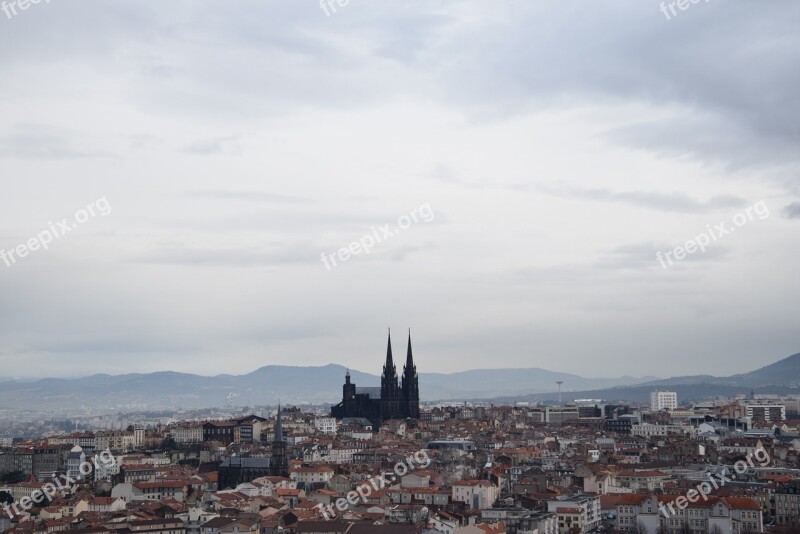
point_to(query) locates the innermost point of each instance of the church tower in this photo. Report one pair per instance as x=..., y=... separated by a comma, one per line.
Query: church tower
x=279, y=464
x=390, y=391
x=410, y=387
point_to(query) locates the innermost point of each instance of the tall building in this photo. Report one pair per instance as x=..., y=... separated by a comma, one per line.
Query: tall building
x=663, y=400
x=395, y=399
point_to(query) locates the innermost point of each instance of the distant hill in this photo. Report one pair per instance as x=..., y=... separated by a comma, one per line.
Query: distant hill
x=267, y=385
x=322, y=384
x=781, y=377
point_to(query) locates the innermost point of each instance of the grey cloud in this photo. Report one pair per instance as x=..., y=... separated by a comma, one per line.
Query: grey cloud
x=792, y=211
x=675, y=202
x=247, y=196
x=218, y=145
x=251, y=257
x=40, y=142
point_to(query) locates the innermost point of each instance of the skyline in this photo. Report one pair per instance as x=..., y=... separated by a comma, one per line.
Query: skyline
x=572, y=160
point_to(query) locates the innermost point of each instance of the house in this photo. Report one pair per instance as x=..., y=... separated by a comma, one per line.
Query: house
x=106, y=504
x=476, y=494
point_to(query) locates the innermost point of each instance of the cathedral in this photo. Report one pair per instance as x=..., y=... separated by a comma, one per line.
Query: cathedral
x=395, y=399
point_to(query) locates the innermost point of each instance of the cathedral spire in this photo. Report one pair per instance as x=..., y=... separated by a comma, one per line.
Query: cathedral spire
x=389, y=366
x=409, y=358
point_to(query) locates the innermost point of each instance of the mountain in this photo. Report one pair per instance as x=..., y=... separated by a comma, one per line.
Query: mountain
x=781, y=377
x=267, y=385
x=322, y=384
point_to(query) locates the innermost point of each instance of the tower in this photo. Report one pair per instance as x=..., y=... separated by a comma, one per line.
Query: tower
x=390, y=391
x=410, y=387
x=279, y=464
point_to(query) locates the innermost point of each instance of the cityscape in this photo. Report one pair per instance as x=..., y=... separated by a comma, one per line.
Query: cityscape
x=399, y=267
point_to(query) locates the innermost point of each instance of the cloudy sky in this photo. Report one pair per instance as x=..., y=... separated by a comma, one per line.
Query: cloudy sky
x=548, y=150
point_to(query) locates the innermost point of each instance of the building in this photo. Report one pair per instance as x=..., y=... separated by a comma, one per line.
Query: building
x=787, y=503
x=522, y=520
x=765, y=410
x=476, y=494
x=326, y=425
x=663, y=400
x=243, y=430
x=75, y=460
x=393, y=400
x=238, y=470
x=185, y=434
x=581, y=510
x=726, y=515
x=311, y=475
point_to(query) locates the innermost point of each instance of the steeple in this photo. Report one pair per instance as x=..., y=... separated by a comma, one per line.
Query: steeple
x=410, y=385
x=279, y=463
x=389, y=386
x=278, y=425
x=389, y=361
x=410, y=368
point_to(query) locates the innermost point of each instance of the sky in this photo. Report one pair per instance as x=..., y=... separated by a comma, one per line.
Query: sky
x=263, y=182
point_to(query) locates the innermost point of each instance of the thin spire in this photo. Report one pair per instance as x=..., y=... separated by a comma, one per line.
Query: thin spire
x=389, y=360
x=409, y=357
x=278, y=425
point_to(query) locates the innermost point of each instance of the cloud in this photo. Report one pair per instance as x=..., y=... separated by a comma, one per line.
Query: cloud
x=219, y=145
x=41, y=142
x=792, y=211
x=674, y=202
x=232, y=257
x=247, y=196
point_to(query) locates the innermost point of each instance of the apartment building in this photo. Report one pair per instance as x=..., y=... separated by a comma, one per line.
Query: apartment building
x=587, y=506
x=663, y=400
x=787, y=503
x=476, y=494
x=726, y=515
x=764, y=410
x=187, y=434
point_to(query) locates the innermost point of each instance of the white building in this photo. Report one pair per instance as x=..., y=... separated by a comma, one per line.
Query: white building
x=326, y=425
x=663, y=400
x=307, y=475
x=75, y=459
x=192, y=433
x=577, y=511
x=477, y=494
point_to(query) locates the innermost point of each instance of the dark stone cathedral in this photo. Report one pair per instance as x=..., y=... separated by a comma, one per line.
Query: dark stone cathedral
x=393, y=400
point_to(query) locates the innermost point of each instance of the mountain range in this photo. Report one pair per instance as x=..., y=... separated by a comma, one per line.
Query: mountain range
x=322, y=384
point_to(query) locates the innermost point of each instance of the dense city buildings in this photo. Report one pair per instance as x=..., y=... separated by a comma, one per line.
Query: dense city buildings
x=458, y=468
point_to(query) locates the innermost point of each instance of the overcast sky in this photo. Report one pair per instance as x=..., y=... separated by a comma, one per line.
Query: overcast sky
x=556, y=147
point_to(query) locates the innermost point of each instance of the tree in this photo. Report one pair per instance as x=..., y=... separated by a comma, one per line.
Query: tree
x=6, y=498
